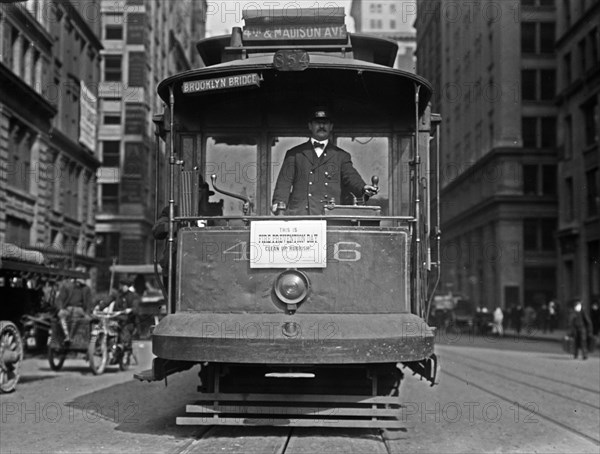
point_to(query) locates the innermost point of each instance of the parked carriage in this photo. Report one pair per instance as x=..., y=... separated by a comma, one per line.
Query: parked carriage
x=295, y=319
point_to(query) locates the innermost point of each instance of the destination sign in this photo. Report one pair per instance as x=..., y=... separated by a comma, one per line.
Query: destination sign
x=323, y=32
x=221, y=83
x=288, y=244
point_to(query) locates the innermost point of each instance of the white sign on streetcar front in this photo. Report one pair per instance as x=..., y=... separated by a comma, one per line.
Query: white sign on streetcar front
x=288, y=244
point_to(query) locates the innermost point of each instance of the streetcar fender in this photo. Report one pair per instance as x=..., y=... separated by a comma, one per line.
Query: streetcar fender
x=162, y=368
x=427, y=368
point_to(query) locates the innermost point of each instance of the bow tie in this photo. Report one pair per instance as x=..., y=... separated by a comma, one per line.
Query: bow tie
x=318, y=145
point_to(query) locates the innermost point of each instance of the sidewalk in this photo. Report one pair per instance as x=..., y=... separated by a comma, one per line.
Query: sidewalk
x=537, y=334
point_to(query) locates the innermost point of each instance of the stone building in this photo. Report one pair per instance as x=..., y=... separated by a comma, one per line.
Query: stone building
x=390, y=19
x=578, y=61
x=49, y=73
x=493, y=66
x=144, y=42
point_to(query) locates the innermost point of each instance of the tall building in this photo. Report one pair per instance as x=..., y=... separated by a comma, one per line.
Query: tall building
x=493, y=65
x=578, y=59
x=49, y=73
x=144, y=42
x=388, y=19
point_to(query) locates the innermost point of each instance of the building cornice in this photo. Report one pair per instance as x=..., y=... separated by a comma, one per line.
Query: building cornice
x=82, y=25
x=519, y=206
x=494, y=154
x=21, y=97
x=584, y=84
x=28, y=24
x=72, y=149
x=179, y=51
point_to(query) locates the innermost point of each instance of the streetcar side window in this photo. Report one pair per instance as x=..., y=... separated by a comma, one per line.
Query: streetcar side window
x=370, y=156
x=233, y=159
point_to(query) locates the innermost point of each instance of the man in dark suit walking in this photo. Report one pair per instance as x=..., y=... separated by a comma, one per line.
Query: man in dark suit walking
x=313, y=173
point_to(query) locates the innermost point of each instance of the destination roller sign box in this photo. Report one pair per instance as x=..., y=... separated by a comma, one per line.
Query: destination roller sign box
x=221, y=83
x=325, y=32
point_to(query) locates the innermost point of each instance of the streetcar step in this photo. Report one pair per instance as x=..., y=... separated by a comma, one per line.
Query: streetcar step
x=294, y=410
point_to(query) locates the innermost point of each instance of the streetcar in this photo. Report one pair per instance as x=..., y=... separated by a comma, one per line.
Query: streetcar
x=300, y=320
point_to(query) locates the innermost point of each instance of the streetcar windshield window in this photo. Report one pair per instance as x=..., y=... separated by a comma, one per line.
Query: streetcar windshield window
x=370, y=156
x=233, y=159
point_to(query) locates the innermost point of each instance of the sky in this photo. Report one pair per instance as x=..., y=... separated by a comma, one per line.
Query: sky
x=224, y=14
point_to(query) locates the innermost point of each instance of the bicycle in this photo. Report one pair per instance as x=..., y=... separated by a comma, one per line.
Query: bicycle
x=106, y=346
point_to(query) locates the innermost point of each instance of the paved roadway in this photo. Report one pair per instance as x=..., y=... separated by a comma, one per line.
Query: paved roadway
x=509, y=395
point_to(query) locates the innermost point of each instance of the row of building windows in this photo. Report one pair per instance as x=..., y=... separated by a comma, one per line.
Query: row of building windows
x=378, y=8
x=538, y=132
x=538, y=84
x=592, y=196
x=113, y=68
x=114, y=27
x=588, y=57
x=377, y=24
x=20, y=144
x=22, y=57
x=539, y=179
x=538, y=234
x=71, y=183
x=537, y=37
x=537, y=3
x=589, y=121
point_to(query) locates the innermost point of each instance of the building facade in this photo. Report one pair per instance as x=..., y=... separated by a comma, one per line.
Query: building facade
x=49, y=73
x=389, y=19
x=578, y=59
x=144, y=42
x=493, y=66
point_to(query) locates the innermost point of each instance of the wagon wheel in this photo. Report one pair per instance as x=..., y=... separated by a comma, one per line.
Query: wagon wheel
x=56, y=357
x=11, y=356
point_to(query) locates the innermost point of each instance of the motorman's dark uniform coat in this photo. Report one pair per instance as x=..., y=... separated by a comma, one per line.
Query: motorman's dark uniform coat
x=307, y=182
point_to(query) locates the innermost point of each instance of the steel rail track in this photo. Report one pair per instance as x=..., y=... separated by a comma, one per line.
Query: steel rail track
x=507, y=377
x=193, y=446
x=573, y=385
x=550, y=419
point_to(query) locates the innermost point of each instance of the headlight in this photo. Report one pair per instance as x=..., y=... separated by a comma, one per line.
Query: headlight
x=291, y=286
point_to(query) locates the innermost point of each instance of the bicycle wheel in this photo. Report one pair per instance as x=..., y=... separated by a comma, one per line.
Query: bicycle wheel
x=98, y=353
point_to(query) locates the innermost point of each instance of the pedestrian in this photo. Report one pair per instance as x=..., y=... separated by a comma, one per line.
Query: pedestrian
x=595, y=316
x=517, y=315
x=507, y=318
x=543, y=317
x=552, y=315
x=314, y=172
x=498, y=319
x=530, y=317
x=126, y=300
x=74, y=301
x=581, y=327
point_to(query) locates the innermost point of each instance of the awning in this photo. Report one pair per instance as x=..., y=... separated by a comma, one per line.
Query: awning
x=135, y=269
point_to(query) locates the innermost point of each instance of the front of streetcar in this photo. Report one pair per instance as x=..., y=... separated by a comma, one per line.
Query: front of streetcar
x=329, y=304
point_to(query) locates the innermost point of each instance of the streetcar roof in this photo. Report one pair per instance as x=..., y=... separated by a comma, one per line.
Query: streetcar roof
x=320, y=62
